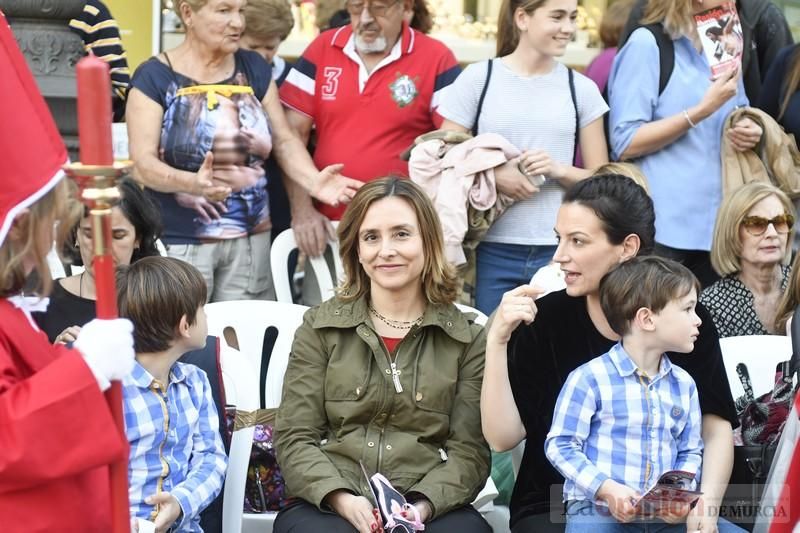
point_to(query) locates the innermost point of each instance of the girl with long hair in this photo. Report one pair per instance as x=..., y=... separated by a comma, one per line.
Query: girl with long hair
x=541, y=107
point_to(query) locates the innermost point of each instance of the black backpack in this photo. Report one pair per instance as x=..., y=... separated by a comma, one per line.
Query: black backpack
x=666, y=60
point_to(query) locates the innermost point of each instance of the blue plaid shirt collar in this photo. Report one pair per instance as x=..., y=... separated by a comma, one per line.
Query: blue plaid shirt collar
x=144, y=379
x=626, y=367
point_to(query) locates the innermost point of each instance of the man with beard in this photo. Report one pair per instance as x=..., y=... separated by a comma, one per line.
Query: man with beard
x=369, y=89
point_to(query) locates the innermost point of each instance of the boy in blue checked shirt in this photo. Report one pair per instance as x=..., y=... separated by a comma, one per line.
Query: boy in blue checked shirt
x=177, y=460
x=628, y=416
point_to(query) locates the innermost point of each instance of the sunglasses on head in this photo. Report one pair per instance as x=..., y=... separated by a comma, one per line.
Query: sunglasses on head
x=755, y=225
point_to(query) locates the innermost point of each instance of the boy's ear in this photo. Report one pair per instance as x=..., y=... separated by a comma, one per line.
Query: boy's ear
x=643, y=319
x=183, y=327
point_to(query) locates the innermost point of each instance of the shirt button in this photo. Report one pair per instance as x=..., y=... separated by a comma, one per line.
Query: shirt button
x=337, y=312
x=419, y=396
x=388, y=371
x=371, y=444
x=449, y=324
x=388, y=446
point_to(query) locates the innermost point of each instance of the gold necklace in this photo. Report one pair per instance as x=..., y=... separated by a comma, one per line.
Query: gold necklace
x=396, y=324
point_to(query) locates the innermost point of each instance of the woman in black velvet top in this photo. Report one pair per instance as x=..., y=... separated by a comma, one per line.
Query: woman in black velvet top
x=532, y=347
x=135, y=227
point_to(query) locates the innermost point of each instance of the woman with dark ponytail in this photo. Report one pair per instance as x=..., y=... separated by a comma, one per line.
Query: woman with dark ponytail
x=541, y=107
x=532, y=347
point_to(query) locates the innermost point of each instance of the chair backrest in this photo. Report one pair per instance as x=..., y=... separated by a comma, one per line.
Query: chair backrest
x=480, y=319
x=55, y=265
x=252, y=320
x=761, y=354
x=280, y=249
x=241, y=390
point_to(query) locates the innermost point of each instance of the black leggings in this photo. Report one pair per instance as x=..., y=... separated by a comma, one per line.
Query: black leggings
x=538, y=523
x=306, y=518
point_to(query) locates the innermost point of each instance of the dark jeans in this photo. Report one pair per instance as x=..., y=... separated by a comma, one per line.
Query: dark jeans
x=306, y=518
x=501, y=267
x=698, y=261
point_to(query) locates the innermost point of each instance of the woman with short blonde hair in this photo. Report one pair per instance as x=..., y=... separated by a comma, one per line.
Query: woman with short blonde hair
x=752, y=248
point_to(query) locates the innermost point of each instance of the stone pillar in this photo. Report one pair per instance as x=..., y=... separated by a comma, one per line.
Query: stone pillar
x=52, y=50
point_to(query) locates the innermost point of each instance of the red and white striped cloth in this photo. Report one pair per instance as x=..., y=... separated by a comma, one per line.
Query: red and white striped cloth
x=780, y=504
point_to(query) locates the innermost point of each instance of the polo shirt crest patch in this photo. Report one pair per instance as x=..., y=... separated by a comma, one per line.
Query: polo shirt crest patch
x=404, y=90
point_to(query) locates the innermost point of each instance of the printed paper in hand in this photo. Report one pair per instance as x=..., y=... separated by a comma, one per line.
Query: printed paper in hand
x=721, y=36
x=674, y=488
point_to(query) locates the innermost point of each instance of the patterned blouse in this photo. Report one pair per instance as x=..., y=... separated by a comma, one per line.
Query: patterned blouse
x=732, y=306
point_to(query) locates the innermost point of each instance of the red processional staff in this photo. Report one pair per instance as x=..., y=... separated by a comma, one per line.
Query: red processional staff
x=96, y=176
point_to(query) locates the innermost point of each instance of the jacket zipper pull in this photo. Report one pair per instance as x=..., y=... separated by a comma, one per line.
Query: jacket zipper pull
x=396, y=378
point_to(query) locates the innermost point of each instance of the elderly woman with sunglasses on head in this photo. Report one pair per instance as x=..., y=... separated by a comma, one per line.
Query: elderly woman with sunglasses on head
x=751, y=251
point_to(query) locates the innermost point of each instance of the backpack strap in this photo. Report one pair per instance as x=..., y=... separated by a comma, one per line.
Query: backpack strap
x=666, y=54
x=483, y=97
x=571, y=78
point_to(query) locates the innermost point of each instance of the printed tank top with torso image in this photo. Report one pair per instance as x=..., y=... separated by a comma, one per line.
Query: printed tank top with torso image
x=226, y=119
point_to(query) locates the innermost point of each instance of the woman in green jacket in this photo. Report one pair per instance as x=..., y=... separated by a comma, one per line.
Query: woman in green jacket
x=388, y=373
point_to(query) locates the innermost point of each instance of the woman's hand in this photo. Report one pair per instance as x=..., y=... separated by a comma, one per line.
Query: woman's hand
x=332, y=188
x=68, y=335
x=204, y=183
x=539, y=163
x=512, y=183
x=423, y=508
x=699, y=519
x=169, y=510
x=208, y=211
x=355, y=509
x=721, y=90
x=516, y=306
x=745, y=134
x=619, y=498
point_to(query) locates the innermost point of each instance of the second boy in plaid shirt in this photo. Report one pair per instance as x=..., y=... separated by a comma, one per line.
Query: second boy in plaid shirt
x=628, y=416
x=177, y=460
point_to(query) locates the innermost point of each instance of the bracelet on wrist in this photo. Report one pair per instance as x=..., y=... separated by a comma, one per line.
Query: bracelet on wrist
x=688, y=118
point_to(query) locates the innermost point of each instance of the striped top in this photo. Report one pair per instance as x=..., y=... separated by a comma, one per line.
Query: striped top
x=100, y=35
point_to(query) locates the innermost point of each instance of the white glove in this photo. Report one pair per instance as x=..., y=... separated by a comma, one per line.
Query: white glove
x=107, y=348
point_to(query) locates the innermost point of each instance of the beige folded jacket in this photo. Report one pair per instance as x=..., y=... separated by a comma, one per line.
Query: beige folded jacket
x=774, y=160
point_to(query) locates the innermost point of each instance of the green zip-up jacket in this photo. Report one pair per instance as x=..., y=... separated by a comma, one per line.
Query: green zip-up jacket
x=418, y=425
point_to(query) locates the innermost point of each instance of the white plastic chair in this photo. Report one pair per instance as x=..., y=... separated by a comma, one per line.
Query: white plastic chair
x=250, y=319
x=55, y=265
x=280, y=249
x=480, y=319
x=241, y=390
x=761, y=354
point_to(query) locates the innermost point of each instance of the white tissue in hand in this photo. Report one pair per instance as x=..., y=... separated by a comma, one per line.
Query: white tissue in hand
x=549, y=278
x=107, y=347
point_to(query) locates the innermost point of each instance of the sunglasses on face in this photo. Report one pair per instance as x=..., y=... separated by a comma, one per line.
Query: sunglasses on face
x=755, y=225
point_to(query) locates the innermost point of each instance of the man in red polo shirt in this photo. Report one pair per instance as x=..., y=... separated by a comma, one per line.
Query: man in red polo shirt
x=370, y=89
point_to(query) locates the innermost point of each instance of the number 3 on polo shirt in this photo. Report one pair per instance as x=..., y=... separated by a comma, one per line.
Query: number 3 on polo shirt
x=331, y=85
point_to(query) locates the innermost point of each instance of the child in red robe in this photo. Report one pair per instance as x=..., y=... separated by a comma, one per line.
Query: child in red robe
x=56, y=432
